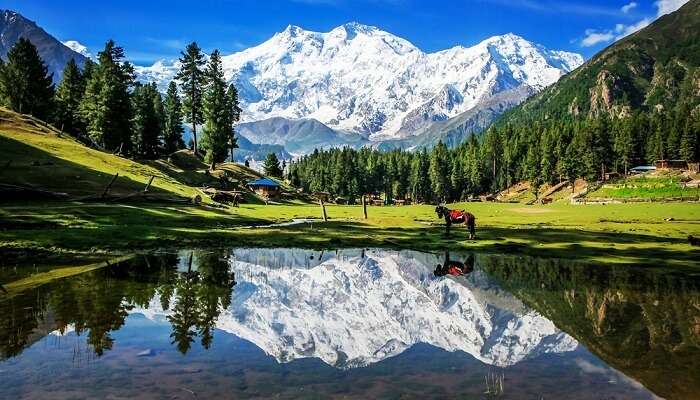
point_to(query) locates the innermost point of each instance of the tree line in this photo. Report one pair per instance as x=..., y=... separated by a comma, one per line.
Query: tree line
x=103, y=104
x=540, y=151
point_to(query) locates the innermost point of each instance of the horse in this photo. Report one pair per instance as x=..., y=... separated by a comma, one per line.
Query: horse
x=457, y=217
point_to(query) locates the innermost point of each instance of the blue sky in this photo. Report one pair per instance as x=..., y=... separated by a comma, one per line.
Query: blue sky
x=153, y=29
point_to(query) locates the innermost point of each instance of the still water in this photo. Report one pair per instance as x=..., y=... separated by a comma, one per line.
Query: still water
x=290, y=323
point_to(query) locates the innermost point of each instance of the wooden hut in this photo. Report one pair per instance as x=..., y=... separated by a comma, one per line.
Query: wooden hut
x=671, y=164
x=265, y=187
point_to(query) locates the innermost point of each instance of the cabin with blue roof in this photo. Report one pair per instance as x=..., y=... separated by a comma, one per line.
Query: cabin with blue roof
x=265, y=187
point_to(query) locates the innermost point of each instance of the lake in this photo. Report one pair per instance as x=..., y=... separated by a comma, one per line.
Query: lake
x=352, y=323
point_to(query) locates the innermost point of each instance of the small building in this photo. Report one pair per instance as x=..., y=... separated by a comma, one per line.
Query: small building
x=671, y=164
x=322, y=196
x=265, y=187
x=611, y=176
x=642, y=169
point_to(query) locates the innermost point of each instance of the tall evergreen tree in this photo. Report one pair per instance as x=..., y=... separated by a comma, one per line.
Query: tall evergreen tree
x=272, y=166
x=106, y=106
x=689, y=140
x=624, y=145
x=217, y=132
x=146, y=122
x=25, y=84
x=191, y=77
x=67, y=99
x=172, y=124
x=234, y=116
x=419, y=180
x=440, y=172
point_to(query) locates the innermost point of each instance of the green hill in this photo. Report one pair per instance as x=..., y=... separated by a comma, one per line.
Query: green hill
x=41, y=157
x=653, y=69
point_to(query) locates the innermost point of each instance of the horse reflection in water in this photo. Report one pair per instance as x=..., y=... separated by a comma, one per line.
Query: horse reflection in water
x=455, y=267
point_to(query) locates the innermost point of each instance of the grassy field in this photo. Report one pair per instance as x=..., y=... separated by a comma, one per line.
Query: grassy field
x=657, y=186
x=41, y=157
x=623, y=233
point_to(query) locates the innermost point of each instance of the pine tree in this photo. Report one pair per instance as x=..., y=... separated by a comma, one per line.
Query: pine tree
x=440, y=172
x=272, y=166
x=146, y=124
x=191, y=77
x=25, y=84
x=532, y=168
x=217, y=131
x=234, y=116
x=419, y=180
x=67, y=99
x=689, y=141
x=88, y=69
x=172, y=121
x=106, y=106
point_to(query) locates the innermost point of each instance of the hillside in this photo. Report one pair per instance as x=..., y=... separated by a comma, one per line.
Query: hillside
x=653, y=69
x=42, y=158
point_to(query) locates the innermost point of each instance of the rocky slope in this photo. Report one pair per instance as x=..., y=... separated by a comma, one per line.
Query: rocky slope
x=651, y=70
x=54, y=53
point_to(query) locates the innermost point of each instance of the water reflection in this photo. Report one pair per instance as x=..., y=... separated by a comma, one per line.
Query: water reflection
x=363, y=314
x=96, y=303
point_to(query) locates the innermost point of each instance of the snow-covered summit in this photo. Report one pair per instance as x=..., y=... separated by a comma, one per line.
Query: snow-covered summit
x=360, y=78
x=78, y=47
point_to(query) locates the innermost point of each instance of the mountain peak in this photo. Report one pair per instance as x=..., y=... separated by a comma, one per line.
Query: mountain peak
x=506, y=39
x=371, y=84
x=78, y=47
x=10, y=17
x=55, y=54
x=358, y=27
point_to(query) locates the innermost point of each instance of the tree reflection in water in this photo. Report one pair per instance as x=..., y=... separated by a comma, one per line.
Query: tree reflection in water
x=96, y=303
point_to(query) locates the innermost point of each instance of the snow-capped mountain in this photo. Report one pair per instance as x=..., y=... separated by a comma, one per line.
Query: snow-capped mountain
x=54, y=53
x=78, y=47
x=363, y=80
x=353, y=308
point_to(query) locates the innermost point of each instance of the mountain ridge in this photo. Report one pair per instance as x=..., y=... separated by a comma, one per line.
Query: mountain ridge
x=55, y=54
x=361, y=80
x=641, y=72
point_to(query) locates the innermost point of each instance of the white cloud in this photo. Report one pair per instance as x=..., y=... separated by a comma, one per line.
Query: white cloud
x=629, y=7
x=593, y=37
x=669, y=6
x=623, y=30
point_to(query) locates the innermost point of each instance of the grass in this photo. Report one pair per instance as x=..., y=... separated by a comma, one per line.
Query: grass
x=623, y=233
x=647, y=186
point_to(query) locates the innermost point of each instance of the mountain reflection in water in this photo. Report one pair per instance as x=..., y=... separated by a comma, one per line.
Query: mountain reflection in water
x=348, y=323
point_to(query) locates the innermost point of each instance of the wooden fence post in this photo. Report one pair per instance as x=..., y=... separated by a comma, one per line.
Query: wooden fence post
x=148, y=186
x=323, y=209
x=114, y=178
x=364, y=206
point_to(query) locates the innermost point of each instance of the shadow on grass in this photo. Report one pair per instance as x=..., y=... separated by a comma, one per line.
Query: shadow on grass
x=544, y=242
x=34, y=167
x=129, y=227
x=81, y=227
